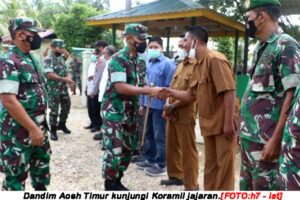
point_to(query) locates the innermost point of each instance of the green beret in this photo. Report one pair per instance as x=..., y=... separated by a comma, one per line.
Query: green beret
x=137, y=29
x=251, y=4
x=58, y=43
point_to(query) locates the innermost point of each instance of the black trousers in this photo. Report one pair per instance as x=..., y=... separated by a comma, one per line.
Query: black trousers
x=90, y=109
x=97, y=121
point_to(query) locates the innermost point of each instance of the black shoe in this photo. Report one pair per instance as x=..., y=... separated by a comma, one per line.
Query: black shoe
x=172, y=181
x=53, y=133
x=40, y=187
x=110, y=185
x=95, y=129
x=63, y=128
x=89, y=126
x=98, y=136
x=74, y=93
x=119, y=185
x=103, y=148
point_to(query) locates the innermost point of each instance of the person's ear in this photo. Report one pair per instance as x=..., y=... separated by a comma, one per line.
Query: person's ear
x=19, y=35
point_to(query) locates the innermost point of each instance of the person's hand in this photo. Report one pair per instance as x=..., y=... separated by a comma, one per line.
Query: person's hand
x=229, y=131
x=49, y=46
x=167, y=109
x=271, y=151
x=170, y=116
x=141, y=110
x=68, y=80
x=85, y=92
x=164, y=93
x=154, y=91
x=37, y=137
x=92, y=96
x=90, y=78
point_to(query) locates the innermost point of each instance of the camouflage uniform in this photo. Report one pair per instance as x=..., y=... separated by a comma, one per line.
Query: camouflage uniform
x=76, y=73
x=57, y=90
x=20, y=75
x=275, y=73
x=289, y=171
x=119, y=113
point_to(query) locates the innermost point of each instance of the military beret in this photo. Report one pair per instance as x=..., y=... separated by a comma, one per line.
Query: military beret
x=23, y=23
x=58, y=43
x=251, y=4
x=137, y=29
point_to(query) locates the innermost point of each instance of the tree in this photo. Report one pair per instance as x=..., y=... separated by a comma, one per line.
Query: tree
x=73, y=29
x=48, y=14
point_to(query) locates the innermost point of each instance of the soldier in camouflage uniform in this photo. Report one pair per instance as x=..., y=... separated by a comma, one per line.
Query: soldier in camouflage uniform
x=75, y=65
x=24, y=145
x=274, y=77
x=120, y=106
x=57, y=81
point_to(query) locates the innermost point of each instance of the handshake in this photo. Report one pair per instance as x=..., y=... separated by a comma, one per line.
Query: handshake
x=161, y=93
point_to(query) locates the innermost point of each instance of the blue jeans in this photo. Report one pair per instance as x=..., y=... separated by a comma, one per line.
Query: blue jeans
x=156, y=138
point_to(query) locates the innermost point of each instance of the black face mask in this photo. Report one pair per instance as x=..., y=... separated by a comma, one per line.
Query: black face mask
x=34, y=41
x=251, y=29
x=58, y=54
x=140, y=47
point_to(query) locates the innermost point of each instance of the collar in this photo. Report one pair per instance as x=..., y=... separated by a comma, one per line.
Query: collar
x=274, y=35
x=160, y=58
x=188, y=61
x=204, y=54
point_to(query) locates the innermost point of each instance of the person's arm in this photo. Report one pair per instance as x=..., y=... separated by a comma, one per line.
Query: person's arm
x=55, y=77
x=183, y=96
x=66, y=53
x=45, y=53
x=229, y=129
x=129, y=90
x=17, y=111
x=271, y=150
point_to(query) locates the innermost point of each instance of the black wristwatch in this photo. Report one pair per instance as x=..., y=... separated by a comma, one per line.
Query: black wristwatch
x=172, y=107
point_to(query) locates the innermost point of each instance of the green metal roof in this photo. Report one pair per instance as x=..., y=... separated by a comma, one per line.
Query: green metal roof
x=289, y=7
x=156, y=7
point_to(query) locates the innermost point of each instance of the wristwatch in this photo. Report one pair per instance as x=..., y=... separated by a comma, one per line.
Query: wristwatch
x=172, y=107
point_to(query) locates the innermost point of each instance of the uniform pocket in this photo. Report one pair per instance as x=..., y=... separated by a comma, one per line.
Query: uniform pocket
x=204, y=98
x=263, y=80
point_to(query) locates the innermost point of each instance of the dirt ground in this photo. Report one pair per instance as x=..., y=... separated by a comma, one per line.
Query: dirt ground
x=76, y=161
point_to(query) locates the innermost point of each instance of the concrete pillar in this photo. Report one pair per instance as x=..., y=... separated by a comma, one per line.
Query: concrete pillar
x=87, y=57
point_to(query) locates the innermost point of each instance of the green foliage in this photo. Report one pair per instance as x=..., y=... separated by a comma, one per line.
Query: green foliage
x=48, y=14
x=225, y=45
x=73, y=29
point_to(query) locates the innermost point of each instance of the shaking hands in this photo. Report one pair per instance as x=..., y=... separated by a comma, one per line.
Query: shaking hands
x=161, y=93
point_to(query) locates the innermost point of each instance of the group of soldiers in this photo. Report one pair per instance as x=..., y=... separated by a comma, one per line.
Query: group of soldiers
x=266, y=121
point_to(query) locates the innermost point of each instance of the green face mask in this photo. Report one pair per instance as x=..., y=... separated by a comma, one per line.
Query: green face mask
x=153, y=53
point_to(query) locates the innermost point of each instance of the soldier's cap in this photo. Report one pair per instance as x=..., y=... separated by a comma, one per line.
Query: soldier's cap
x=137, y=29
x=23, y=23
x=58, y=43
x=251, y=4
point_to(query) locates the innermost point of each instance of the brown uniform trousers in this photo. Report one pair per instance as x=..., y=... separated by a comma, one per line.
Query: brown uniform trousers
x=182, y=154
x=212, y=77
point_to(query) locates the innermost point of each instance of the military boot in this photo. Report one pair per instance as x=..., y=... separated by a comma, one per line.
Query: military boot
x=40, y=187
x=119, y=185
x=53, y=133
x=74, y=91
x=110, y=185
x=62, y=126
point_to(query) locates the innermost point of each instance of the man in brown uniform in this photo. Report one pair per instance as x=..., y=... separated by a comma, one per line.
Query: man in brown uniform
x=182, y=153
x=213, y=87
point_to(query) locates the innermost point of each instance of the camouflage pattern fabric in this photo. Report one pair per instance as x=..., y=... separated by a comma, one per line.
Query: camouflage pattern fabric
x=76, y=72
x=57, y=90
x=65, y=104
x=277, y=71
x=20, y=75
x=289, y=160
x=119, y=113
x=257, y=174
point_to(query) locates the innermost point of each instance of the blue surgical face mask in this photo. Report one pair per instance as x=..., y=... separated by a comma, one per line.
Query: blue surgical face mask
x=154, y=53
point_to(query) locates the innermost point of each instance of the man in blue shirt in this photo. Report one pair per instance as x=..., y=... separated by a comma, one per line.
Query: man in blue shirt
x=160, y=70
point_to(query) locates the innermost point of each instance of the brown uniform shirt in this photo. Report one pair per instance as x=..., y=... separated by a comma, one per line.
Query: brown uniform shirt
x=212, y=76
x=181, y=79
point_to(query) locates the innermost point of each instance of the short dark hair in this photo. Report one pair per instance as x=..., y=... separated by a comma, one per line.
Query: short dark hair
x=100, y=43
x=199, y=32
x=182, y=35
x=272, y=10
x=156, y=39
x=110, y=50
